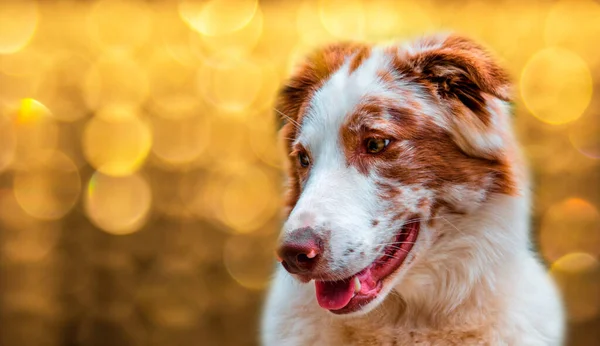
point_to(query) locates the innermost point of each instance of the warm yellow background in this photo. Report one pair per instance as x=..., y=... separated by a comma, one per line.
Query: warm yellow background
x=139, y=172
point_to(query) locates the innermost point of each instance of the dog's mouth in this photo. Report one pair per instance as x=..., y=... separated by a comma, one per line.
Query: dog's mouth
x=353, y=293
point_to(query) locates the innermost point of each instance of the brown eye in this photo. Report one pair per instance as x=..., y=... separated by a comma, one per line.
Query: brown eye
x=376, y=145
x=303, y=159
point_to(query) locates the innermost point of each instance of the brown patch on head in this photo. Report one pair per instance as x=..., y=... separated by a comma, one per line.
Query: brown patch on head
x=377, y=117
x=458, y=70
x=295, y=95
x=358, y=58
x=374, y=222
x=456, y=78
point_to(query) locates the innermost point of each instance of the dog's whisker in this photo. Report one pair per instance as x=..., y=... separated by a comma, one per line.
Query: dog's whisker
x=294, y=122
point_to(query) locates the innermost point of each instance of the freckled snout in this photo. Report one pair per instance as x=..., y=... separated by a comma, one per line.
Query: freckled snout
x=301, y=251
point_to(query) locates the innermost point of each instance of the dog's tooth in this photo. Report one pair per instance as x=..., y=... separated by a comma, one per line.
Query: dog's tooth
x=311, y=254
x=357, y=286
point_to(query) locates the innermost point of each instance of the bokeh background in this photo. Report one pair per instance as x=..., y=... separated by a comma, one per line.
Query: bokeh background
x=140, y=176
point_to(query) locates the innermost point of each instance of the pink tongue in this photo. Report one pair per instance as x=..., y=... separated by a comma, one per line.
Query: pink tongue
x=334, y=295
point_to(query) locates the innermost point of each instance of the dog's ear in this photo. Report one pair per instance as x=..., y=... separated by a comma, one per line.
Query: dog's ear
x=309, y=76
x=470, y=85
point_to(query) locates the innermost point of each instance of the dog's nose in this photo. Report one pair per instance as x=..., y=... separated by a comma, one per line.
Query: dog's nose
x=300, y=251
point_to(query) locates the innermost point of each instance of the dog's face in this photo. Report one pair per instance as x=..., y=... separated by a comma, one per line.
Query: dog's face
x=382, y=143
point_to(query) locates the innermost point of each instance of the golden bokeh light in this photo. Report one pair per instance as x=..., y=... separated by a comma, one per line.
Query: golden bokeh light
x=181, y=140
x=573, y=25
x=344, y=19
x=176, y=307
x=248, y=200
x=8, y=142
x=118, y=205
x=246, y=263
x=14, y=88
x=117, y=141
x=50, y=190
x=131, y=30
x=388, y=19
x=173, y=34
x=170, y=80
x=36, y=133
x=142, y=175
x=237, y=43
x=18, y=23
x=578, y=276
x=28, y=62
x=231, y=85
x=217, y=17
x=585, y=135
x=264, y=139
x=60, y=87
x=227, y=149
x=309, y=25
x=25, y=239
x=115, y=79
x=552, y=102
x=279, y=34
x=572, y=225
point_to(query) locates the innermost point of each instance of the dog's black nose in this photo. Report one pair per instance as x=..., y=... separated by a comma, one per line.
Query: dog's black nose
x=300, y=251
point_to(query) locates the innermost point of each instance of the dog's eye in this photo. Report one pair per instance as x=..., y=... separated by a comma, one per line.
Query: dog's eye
x=376, y=145
x=303, y=160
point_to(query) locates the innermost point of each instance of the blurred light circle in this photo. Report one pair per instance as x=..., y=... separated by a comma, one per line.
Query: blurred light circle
x=24, y=239
x=556, y=86
x=61, y=86
x=178, y=106
x=229, y=147
x=13, y=88
x=388, y=19
x=217, y=17
x=18, y=20
x=232, y=85
x=32, y=244
x=36, y=134
x=237, y=43
x=118, y=205
x=8, y=142
x=585, y=135
x=269, y=86
x=572, y=225
x=573, y=25
x=27, y=62
x=248, y=200
x=249, y=260
x=310, y=26
x=120, y=23
x=264, y=140
x=48, y=191
x=578, y=276
x=343, y=18
x=171, y=300
x=116, y=141
x=169, y=78
x=113, y=80
x=297, y=57
x=279, y=32
x=179, y=141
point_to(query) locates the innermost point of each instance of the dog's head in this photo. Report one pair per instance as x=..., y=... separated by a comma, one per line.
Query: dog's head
x=382, y=142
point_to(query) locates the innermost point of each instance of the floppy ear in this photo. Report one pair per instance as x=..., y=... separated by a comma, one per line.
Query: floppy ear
x=471, y=86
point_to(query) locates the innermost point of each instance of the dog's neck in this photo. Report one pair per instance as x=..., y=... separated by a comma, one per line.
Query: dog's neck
x=451, y=285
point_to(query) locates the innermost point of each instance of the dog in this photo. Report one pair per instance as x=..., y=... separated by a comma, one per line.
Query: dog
x=407, y=204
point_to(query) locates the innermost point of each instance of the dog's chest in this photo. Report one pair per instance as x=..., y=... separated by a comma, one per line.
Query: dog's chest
x=394, y=335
